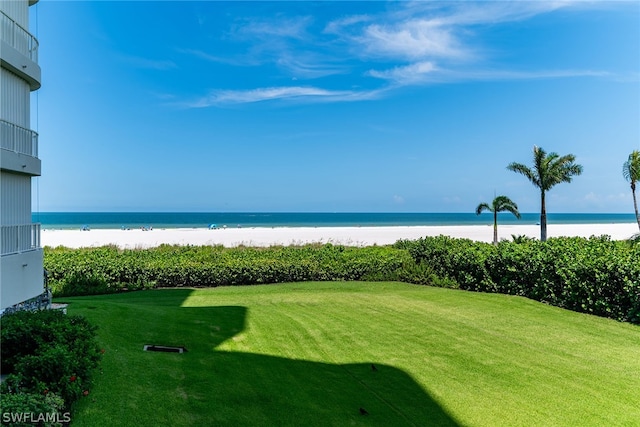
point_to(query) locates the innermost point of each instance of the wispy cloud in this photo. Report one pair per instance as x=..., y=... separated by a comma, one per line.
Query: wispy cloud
x=303, y=65
x=282, y=41
x=414, y=73
x=422, y=30
x=309, y=65
x=407, y=44
x=281, y=26
x=338, y=26
x=222, y=97
x=425, y=31
x=490, y=12
x=433, y=42
x=523, y=75
x=413, y=39
x=427, y=72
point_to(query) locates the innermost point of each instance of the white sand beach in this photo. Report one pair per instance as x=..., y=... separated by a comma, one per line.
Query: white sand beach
x=348, y=236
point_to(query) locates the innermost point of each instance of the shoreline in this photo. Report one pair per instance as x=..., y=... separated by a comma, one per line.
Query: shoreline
x=286, y=236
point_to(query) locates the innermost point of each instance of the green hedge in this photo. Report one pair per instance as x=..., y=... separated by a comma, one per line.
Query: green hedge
x=596, y=275
x=109, y=269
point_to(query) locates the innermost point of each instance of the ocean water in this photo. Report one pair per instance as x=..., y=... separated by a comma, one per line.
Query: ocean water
x=72, y=220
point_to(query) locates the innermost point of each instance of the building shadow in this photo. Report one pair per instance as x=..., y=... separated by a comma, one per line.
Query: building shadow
x=249, y=388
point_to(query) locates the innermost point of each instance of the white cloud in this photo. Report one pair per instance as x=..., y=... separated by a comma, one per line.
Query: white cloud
x=308, y=66
x=429, y=72
x=264, y=94
x=338, y=26
x=278, y=93
x=410, y=43
x=494, y=12
x=295, y=28
x=521, y=75
x=412, y=39
x=413, y=73
x=423, y=30
x=435, y=39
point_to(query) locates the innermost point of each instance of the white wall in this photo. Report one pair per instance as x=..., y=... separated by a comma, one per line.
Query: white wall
x=17, y=10
x=21, y=277
x=15, y=99
x=15, y=199
x=21, y=273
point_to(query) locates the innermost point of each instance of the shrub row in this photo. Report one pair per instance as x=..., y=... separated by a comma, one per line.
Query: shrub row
x=49, y=357
x=596, y=275
x=109, y=269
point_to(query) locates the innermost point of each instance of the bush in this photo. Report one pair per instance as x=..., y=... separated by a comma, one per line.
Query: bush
x=47, y=406
x=108, y=269
x=423, y=274
x=462, y=261
x=596, y=275
x=47, y=352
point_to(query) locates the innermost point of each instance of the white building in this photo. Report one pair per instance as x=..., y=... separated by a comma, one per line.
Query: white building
x=21, y=271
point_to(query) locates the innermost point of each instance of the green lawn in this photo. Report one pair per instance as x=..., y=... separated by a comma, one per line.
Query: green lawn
x=301, y=354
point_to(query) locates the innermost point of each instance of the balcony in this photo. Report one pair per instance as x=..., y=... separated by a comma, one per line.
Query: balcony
x=18, y=139
x=18, y=38
x=19, y=238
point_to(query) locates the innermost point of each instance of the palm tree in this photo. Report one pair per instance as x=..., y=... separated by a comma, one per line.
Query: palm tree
x=548, y=170
x=499, y=204
x=631, y=172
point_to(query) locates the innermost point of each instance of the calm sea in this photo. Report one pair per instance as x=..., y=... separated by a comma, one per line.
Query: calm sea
x=71, y=220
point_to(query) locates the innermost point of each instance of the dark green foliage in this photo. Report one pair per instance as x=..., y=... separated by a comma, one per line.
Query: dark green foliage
x=108, y=269
x=596, y=275
x=521, y=238
x=15, y=405
x=634, y=240
x=48, y=351
x=423, y=274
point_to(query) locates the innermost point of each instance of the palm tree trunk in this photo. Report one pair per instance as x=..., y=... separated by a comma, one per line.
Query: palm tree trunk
x=495, y=227
x=635, y=203
x=543, y=218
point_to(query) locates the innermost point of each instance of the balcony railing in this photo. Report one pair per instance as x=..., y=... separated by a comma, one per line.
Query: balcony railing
x=19, y=38
x=18, y=139
x=19, y=238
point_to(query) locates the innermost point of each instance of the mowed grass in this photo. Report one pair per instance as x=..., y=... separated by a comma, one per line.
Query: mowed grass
x=301, y=354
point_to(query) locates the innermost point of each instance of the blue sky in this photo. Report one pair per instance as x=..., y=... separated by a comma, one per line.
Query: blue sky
x=332, y=106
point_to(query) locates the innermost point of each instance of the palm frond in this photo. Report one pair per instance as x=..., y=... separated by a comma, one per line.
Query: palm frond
x=631, y=168
x=482, y=207
x=499, y=204
x=524, y=170
x=555, y=169
x=505, y=204
x=513, y=209
x=634, y=240
x=548, y=170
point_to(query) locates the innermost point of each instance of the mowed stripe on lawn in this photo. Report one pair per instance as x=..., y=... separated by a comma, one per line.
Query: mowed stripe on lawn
x=301, y=354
